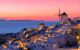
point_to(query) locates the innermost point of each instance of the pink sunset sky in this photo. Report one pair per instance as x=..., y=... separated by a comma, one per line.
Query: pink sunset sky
x=38, y=9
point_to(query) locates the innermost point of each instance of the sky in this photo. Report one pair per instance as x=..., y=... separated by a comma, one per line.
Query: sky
x=38, y=9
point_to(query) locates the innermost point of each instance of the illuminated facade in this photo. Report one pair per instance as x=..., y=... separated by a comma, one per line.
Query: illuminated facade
x=64, y=18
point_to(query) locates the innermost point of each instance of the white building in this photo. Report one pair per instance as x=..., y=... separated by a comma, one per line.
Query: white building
x=64, y=18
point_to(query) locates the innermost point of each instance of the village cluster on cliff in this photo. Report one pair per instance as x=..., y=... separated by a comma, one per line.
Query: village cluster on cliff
x=63, y=35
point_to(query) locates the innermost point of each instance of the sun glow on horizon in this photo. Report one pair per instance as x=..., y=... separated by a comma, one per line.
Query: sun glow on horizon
x=37, y=9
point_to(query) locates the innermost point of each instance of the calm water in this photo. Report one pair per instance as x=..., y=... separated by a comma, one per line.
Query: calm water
x=15, y=26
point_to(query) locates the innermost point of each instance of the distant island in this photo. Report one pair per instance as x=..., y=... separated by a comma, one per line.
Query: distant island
x=40, y=35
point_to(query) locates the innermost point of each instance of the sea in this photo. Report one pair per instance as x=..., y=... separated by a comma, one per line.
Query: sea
x=13, y=26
